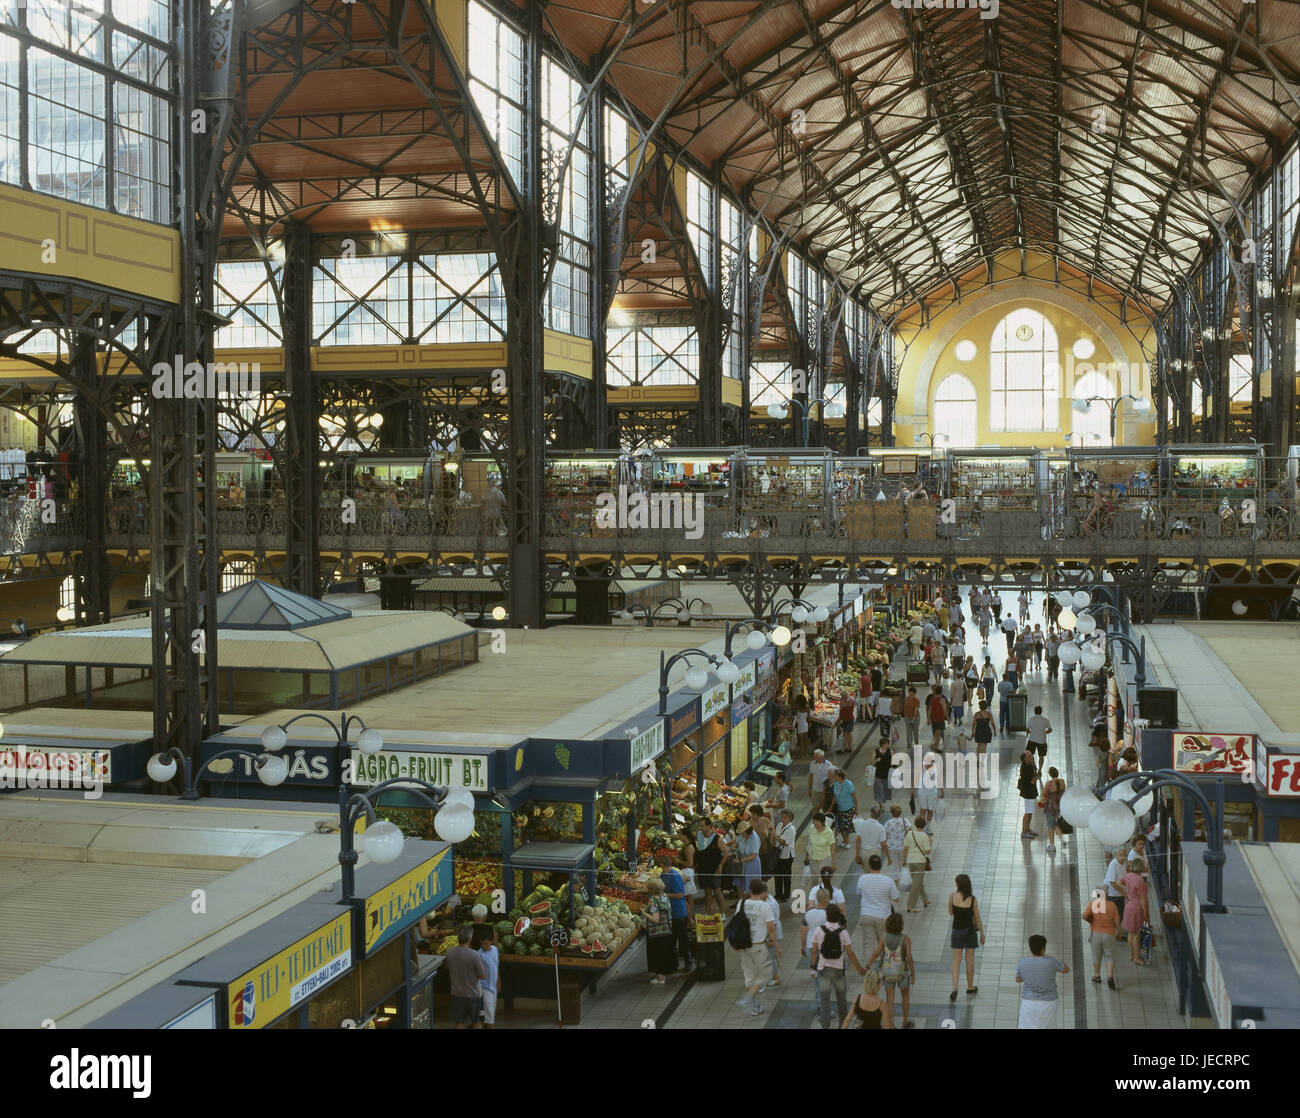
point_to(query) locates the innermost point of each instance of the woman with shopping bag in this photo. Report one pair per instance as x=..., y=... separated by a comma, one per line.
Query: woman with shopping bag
x=917, y=847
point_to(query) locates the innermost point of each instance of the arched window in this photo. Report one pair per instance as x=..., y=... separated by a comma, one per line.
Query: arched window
x=954, y=411
x=1092, y=428
x=1024, y=374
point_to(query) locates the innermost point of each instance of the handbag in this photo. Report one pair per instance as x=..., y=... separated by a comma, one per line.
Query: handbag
x=1064, y=827
x=905, y=878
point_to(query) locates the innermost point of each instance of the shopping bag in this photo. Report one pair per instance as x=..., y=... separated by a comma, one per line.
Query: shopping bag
x=806, y=875
x=1146, y=941
x=905, y=879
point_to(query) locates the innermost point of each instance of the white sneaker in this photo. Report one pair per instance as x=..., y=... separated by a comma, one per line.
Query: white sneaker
x=1051, y=848
x=745, y=1003
x=756, y=1011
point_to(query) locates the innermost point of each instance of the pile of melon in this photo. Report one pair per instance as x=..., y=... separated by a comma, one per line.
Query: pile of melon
x=604, y=928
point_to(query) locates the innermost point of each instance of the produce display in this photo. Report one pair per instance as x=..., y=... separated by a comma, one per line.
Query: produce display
x=598, y=929
x=548, y=822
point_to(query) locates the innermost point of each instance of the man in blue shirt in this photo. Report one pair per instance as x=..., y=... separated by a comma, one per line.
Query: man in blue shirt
x=1036, y=973
x=675, y=891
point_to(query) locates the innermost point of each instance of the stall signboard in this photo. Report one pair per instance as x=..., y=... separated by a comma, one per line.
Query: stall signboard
x=1211, y=754
x=1216, y=986
x=1279, y=773
x=714, y=698
x=741, y=709
x=459, y=770
x=766, y=662
x=36, y=766
x=709, y=928
x=764, y=692
x=270, y=990
x=684, y=722
x=748, y=677
x=311, y=765
x=394, y=908
x=1191, y=910
x=646, y=746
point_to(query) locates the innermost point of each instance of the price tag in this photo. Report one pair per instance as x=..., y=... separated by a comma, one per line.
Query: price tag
x=559, y=937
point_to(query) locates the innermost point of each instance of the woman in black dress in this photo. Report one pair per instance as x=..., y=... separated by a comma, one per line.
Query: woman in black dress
x=1027, y=786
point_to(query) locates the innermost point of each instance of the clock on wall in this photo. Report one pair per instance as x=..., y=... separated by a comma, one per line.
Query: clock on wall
x=1024, y=331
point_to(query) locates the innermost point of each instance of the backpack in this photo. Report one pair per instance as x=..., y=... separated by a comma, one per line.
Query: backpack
x=832, y=947
x=737, y=931
x=892, y=966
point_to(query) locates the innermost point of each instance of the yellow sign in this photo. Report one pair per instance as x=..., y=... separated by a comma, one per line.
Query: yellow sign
x=395, y=907
x=268, y=991
x=708, y=929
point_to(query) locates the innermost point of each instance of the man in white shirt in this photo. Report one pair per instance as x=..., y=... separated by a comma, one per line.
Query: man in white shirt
x=813, y=919
x=876, y=894
x=756, y=960
x=871, y=835
x=1008, y=628
x=818, y=771
x=1038, y=728
x=1115, y=890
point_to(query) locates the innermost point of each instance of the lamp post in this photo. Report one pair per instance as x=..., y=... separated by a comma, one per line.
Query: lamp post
x=1141, y=405
x=17, y=626
x=1113, y=821
x=1139, y=650
x=1104, y=609
x=830, y=410
x=382, y=841
x=697, y=678
x=931, y=438
x=758, y=636
x=800, y=611
x=683, y=606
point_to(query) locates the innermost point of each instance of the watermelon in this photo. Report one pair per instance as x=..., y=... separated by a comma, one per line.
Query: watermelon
x=587, y=949
x=508, y=945
x=541, y=921
x=540, y=909
x=539, y=949
x=505, y=927
x=545, y=891
x=597, y=946
x=521, y=926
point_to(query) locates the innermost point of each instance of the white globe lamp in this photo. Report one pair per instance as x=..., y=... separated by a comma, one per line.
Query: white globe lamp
x=820, y=614
x=798, y=615
x=781, y=636
x=776, y=411
x=1086, y=623
x=370, y=742
x=697, y=679
x=727, y=672
x=756, y=639
x=462, y=797
x=1093, y=658
x=1064, y=599
x=1066, y=619
x=1112, y=823
x=382, y=842
x=1239, y=607
x=1069, y=654
x=833, y=411
x=1143, y=804
x=161, y=768
x=273, y=739
x=1077, y=805
x=1082, y=599
x=272, y=770
x=454, y=824
x=683, y=615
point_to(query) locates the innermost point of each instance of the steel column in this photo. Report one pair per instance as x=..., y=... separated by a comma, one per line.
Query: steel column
x=298, y=457
x=93, y=579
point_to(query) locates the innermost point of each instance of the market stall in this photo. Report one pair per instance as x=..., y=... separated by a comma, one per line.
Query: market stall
x=783, y=494
x=1207, y=487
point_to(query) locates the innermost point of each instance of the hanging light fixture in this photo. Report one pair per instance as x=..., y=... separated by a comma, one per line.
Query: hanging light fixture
x=781, y=636
x=1087, y=624
x=756, y=639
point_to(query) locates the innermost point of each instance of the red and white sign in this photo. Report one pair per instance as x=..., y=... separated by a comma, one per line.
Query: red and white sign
x=1210, y=754
x=1281, y=774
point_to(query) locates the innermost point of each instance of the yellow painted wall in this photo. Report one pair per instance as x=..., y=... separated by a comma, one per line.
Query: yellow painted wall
x=453, y=19
x=567, y=354
x=931, y=354
x=89, y=245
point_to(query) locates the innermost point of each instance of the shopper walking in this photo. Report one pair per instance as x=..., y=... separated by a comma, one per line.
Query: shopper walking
x=847, y=706
x=1027, y=786
x=1008, y=627
x=876, y=896
x=466, y=970
x=864, y=694
x=929, y=789
x=675, y=894
x=1039, y=727
x=829, y=946
x=660, y=957
x=897, y=967
x=937, y=712
x=834, y=894
x=895, y=834
x=967, y=933
x=710, y=853
x=1023, y=602
x=957, y=701
x=982, y=732
x=754, y=959
x=747, y=849
x=774, y=948
x=819, y=853
x=916, y=856
x=883, y=760
x=1102, y=918
x=1005, y=690
x=1052, y=646
x=844, y=798
x=912, y=717
x=802, y=740
x=868, y=1009
x=1036, y=973
x=819, y=773
x=1053, y=790
x=813, y=919
x=783, y=840
x=1136, y=912
x=1038, y=642
x=870, y=836
x=1115, y=887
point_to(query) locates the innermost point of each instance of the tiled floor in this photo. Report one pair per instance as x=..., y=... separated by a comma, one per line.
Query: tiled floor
x=1021, y=889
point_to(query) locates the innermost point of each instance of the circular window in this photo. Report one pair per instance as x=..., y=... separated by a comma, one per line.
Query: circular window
x=965, y=350
x=1083, y=349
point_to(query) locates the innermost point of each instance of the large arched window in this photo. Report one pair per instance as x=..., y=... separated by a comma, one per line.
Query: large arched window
x=1024, y=374
x=954, y=412
x=1092, y=428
